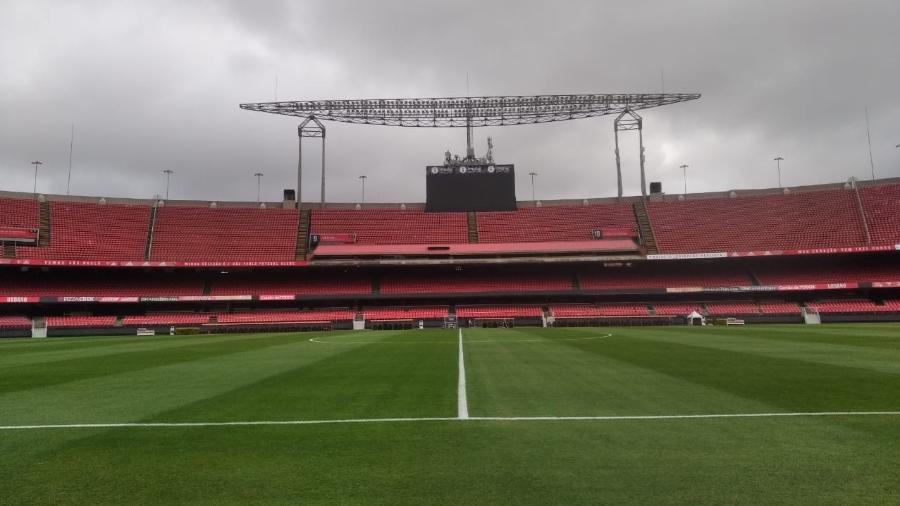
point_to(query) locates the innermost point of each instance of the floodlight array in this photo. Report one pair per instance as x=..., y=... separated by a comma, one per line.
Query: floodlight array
x=470, y=111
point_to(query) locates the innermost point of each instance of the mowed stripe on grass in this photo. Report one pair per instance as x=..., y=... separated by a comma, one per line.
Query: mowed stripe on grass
x=518, y=372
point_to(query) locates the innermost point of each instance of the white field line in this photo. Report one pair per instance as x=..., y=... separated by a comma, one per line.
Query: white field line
x=447, y=419
x=462, y=404
x=470, y=341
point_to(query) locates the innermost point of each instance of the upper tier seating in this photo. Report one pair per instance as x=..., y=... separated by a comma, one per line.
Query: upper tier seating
x=405, y=313
x=81, y=321
x=307, y=284
x=317, y=315
x=18, y=213
x=14, y=322
x=392, y=226
x=653, y=276
x=820, y=219
x=88, y=231
x=596, y=311
x=224, y=234
x=474, y=283
x=167, y=319
x=488, y=312
x=882, y=206
x=553, y=223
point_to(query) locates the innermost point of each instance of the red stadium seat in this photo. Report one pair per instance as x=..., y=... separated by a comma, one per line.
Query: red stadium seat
x=554, y=222
x=224, y=234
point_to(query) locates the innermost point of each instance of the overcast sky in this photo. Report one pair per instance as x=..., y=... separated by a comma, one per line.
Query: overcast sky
x=156, y=85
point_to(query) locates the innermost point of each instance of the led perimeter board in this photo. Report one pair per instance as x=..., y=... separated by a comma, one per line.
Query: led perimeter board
x=474, y=187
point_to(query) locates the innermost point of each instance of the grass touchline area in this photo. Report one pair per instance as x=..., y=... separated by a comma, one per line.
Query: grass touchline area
x=443, y=419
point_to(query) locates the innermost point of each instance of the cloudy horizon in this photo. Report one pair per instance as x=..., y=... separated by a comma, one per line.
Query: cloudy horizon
x=156, y=85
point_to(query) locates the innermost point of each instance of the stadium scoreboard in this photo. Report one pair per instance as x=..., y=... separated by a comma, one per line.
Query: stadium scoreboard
x=465, y=188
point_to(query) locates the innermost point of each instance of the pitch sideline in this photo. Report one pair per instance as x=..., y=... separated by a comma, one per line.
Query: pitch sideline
x=610, y=418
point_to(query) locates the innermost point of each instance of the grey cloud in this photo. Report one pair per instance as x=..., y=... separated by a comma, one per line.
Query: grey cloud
x=156, y=85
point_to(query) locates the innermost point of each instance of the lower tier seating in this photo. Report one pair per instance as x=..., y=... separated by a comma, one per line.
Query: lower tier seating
x=80, y=321
x=405, y=313
x=475, y=283
x=166, y=319
x=850, y=306
x=598, y=310
x=14, y=322
x=676, y=308
x=318, y=315
x=513, y=311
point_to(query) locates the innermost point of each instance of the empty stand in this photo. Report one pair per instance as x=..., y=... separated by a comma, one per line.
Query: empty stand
x=676, y=308
x=224, y=234
x=598, y=311
x=14, y=322
x=90, y=231
x=805, y=271
x=850, y=306
x=405, y=313
x=166, y=319
x=661, y=276
x=93, y=284
x=553, y=222
x=818, y=219
x=258, y=317
x=731, y=308
x=305, y=284
x=882, y=209
x=80, y=321
x=392, y=226
x=464, y=282
x=18, y=213
x=488, y=312
x=779, y=307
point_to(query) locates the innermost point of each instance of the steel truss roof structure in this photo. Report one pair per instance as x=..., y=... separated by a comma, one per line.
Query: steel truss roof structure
x=470, y=111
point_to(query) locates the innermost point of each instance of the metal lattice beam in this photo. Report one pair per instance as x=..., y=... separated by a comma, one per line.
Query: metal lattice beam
x=470, y=111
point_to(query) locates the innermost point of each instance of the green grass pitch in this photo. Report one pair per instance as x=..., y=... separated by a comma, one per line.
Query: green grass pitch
x=631, y=452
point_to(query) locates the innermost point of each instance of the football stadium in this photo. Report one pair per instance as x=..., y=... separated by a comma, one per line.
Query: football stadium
x=735, y=346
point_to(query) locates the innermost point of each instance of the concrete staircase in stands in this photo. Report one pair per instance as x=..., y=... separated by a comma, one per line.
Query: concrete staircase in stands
x=645, y=227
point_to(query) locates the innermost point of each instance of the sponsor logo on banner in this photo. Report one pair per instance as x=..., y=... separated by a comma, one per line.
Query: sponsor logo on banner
x=739, y=289
x=276, y=297
x=201, y=298
x=886, y=284
x=159, y=299
x=117, y=299
x=18, y=300
x=76, y=299
x=684, y=256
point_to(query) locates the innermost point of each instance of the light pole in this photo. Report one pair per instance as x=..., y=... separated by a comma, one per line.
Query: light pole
x=36, y=163
x=778, y=161
x=363, y=179
x=259, y=176
x=684, y=175
x=168, y=173
x=532, y=174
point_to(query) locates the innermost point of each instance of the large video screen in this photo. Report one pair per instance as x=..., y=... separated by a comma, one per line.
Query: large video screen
x=470, y=188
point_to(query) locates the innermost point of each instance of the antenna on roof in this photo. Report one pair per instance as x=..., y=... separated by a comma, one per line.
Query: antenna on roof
x=869, y=137
x=71, y=144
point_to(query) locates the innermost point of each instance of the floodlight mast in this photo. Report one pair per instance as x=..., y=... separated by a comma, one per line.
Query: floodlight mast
x=470, y=112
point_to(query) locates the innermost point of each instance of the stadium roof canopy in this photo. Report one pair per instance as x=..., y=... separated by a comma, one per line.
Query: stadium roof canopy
x=470, y=111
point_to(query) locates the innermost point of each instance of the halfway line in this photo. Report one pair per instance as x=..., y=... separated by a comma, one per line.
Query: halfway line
x=444, y=419
x=462, y=404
